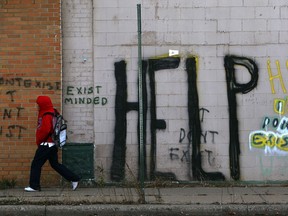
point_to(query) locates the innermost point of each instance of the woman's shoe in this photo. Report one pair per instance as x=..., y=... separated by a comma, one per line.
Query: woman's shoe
x=74, y=185
x=29, y=189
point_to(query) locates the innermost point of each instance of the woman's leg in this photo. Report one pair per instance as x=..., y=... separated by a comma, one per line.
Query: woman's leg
x=41, y=156
x=60, y=168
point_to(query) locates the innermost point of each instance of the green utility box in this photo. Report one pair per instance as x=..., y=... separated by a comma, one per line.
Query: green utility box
x=79, y=157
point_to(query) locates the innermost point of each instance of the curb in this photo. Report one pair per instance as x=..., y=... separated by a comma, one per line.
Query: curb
x=143, y=210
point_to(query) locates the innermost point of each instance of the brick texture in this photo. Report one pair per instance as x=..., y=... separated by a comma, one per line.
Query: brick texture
x=30, y=65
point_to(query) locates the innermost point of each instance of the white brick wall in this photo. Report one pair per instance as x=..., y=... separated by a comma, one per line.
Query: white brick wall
x=78, y=68
x=105, y=31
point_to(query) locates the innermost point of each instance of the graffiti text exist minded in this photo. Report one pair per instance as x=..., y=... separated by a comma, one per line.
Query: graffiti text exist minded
x=84, y=95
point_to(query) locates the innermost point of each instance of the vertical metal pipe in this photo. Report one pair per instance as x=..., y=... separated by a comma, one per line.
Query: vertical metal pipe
x=141, y=107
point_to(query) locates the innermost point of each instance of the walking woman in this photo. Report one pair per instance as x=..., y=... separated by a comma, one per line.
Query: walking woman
x=47, y=150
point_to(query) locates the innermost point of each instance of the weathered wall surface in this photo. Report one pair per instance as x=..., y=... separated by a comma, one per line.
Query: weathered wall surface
x=216, y=111
x=30, y=65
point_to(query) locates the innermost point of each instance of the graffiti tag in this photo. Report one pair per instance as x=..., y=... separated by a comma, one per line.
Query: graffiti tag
x=269, y=141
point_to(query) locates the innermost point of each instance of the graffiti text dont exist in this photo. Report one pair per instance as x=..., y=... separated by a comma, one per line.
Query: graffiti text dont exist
x=13, y=131
x=29, y=83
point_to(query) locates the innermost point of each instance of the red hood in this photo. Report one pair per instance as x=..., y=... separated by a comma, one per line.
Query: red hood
x=45, y=105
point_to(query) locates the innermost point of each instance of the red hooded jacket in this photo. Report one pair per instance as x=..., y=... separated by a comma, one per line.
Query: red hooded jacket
x=45, y=125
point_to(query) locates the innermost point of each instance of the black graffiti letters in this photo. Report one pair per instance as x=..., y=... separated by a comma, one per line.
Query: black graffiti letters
x=47, y=85
x=213, y=133
x=83, y=100
x=8, y=129
x=29, y=83
x=275, y=123
x=195, y=135
x=15, y=129
x=11, y=93
x=15, y=82
x=204, y=135
x=7, y=113
x=183, y=135
x=173, y=155
x=122, y=107
x=14, y=113
x=119, y=150
x=84, y=95
x=233, y=87
x=155, y=65
x=195, y=125
x=202, y=113
x=71, y=90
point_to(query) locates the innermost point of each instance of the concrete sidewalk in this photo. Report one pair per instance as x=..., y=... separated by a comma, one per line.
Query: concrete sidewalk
x=158, y=201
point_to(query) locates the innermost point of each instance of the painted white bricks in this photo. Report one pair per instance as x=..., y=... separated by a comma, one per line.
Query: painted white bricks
x=218, y=13
x=284, y=12
x=254, y=25
x=77, y=68
x=277, y=25
x=204, y=26
x=196, y=38
x=230, y=3
x=267, y=37
x=229, y=25
x=256, y=3
x=105, y=31
x=268, y=12
x=277, y=3
x=192, y=13
x=219, y=38
x=242, y=12
x=283, y=38
x=105, y=4
x=100, y=26
x=238, y=38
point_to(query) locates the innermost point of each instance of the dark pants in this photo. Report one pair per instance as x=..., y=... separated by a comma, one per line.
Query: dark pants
x=44, y=153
